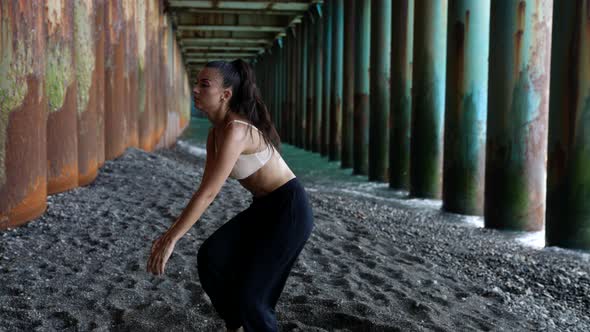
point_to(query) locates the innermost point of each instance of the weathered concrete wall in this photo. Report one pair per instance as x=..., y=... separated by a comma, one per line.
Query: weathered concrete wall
x=94, y=78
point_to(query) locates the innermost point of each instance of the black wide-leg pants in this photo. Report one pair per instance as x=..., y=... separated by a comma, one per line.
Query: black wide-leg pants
x=243, y=266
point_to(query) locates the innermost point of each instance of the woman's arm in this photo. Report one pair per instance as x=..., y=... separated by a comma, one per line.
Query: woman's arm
x=217, y=170
x=218, y=166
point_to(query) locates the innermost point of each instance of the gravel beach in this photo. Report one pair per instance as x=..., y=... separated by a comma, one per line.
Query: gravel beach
x=371, y=264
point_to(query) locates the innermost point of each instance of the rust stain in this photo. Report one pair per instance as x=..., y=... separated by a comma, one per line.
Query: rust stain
x=32, y=205
x=460, y=31
x=65, y=179
x=520, y=27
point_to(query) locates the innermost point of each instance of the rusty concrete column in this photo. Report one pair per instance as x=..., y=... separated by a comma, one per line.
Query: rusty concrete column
x=130, y=74
x=380, y=75
x=23, y=113
x=361, y=87
x=466, y=106
x=311, y=48
x=287, y=121
x=282, y=83
x=518, y=100
x=114, y=117
x=293, y=84
x=150, y=77
x=335, y=145
x=61, y=87
x=327, y=83
x=86, y=78
x=428, y=98
x=161, y=102
x=318, y=82
x=99, y=26
x=303, y=82
x=402, y=50
x=143, y=119
x=348, y=85
x=568, y=185
x=297, y=106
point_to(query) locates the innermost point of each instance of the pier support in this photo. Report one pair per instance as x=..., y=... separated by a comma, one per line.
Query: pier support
x=380, y=75
x=520, y=33
x=311, y=50
x=362, y=50
x=62, y=91
x=428, y=98
x=348, y=84
x=335, y=146
x=402, y=38
x=23, y=114
x=466, y=106
x=568, y=180
x=303, y=82
x=327, y=84
x=318, y=84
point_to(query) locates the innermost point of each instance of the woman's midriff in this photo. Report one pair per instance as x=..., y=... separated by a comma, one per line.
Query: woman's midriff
x=268, y=178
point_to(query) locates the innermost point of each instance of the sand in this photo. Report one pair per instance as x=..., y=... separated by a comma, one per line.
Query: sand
x=370, y=265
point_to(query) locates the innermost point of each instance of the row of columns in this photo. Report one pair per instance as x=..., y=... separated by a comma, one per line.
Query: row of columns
x=448, y=99
x=80, y=81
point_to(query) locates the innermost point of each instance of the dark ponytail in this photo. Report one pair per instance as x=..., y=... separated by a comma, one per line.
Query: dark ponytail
x=246, y=99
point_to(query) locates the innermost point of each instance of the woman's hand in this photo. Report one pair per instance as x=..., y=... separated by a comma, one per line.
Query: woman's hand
x=161, y=250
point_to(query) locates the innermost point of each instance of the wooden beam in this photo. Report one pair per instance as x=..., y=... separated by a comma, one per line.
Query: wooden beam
x=240, y=12
x=216, y=55
x=240, y=28
x=205, y=60
x=198, y=48
x=243, y=5
x=233, y=41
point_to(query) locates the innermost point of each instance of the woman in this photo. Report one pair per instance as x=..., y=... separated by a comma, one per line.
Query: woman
x=243, y=266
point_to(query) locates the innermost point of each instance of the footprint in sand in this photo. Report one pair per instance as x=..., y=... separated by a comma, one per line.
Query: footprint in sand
x=62, y=320
x=479, y=323
x=326, y=237
x=410, y=260
x=373, y=279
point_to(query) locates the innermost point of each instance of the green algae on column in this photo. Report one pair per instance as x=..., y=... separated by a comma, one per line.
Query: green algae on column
x=466, y=106
x=58, y=75
x=84, y=52
x=15, y=64
x=428, y=98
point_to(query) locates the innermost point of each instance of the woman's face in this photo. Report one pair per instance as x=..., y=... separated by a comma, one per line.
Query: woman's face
x=210, y=95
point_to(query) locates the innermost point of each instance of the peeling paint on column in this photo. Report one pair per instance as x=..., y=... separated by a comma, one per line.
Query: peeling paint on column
x=54, y=14
x=84, y=43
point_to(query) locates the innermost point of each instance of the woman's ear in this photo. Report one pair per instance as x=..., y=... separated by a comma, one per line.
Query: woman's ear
x=227, y=93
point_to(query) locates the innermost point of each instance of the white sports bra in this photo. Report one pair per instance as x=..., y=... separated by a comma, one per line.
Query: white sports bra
x=248, y=164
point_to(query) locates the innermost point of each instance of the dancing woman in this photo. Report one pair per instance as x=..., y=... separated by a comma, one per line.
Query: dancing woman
x=243, y=265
